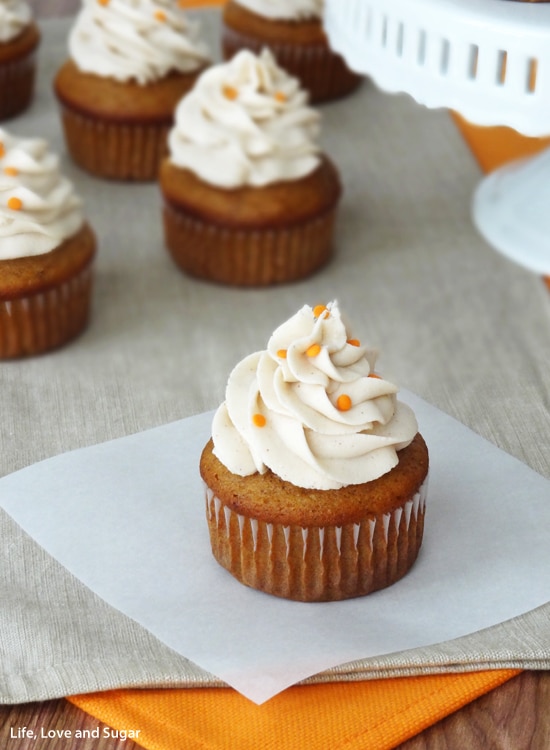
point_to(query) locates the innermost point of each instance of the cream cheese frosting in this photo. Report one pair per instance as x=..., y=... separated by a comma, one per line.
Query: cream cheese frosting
x=295, y=10
x=15, y=15
x=38, y=206
x=246, y=122
x=311, y=408
x=140, y=40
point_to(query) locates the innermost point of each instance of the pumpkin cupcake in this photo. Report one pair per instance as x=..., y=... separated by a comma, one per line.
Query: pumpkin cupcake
x=316, y=474
x=19, y=40
x=46, y=251
x=130, y=62
x=249, y=198
x=293, y=30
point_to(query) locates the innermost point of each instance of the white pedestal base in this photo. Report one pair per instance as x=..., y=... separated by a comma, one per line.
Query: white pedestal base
x=511, y=209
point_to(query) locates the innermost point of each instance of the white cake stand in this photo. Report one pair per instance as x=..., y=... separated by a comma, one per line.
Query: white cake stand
x=488, y=60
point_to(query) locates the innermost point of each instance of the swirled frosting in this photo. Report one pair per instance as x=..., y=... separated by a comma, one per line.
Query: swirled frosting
x=296, y=10
x=245, y=122
x=15, y=15
x=311, y=408
x=143, y=40
x=38, y=206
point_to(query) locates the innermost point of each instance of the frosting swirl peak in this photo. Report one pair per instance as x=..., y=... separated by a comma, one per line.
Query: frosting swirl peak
x=142, y=40
x=245, y=122
x=38, y=206
x=15, y=15
x=311, y=408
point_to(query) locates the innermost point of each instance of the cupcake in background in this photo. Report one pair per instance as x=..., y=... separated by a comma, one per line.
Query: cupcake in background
x=46, y=251
x=249, y=198
x=293, y=30
x=19, y=40
x=316, y=473
x=130, y=62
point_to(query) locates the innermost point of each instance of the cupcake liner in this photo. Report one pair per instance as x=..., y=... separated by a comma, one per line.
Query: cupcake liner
x=16, y=85
x=115, y=150
x=317, y=563
x=247, y=257
x=45, y=320
x=321, y=71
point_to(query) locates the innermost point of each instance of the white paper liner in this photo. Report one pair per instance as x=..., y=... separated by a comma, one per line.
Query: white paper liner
x=318, y=563
x=44, y=320
x=17, y=80
x=115, y=150
x=248, y=257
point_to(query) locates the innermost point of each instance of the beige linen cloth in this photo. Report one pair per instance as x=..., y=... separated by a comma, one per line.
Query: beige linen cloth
x=456, y=323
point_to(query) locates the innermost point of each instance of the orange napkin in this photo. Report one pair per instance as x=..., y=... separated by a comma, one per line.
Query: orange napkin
x=369, y=715
x=495, y=146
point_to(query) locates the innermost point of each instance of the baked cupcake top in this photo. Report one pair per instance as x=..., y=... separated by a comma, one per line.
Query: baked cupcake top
x=246, y=122
x=141, y=40
x=311, y=408
x=38, y=206
x=15, y=15
x=285, y=9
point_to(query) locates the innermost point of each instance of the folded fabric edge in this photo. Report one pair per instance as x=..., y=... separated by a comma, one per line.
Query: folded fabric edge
x=53, y=683
x=360, y=674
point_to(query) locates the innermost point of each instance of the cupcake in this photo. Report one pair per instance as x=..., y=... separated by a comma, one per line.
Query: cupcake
x=130, y=62
x=19, y=39
x=249, y=198
x=46, y=251
x=293, y=30
x=315, y=475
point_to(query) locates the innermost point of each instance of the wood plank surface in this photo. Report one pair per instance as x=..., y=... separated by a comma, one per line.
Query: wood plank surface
x=77, y=729
x=515, y=716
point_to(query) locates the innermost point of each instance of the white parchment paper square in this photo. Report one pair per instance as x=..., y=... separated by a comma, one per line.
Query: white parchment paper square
x=127, y=518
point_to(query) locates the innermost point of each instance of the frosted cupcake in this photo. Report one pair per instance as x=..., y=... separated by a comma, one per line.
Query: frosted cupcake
x=19, y=39
x=46, y=251
x=130, y=62
x=249, y=198
x=293, y=30
x=316, y=474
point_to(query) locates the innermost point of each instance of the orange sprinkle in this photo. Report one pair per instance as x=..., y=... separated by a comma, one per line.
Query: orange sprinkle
x=354, y=342
x=160, y=15
x=2, y=150
x=182, y=3
x=259, y=420
x=11, y=171
x=16, y=204
x=374, y=375
x=230, y=93
x=313, y=350
x=103, y=2
x=282, y=353
x=280, y=96
x=318, y=310
x=343, y=402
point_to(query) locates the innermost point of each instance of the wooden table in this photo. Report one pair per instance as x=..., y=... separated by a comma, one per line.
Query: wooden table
x=515, y=716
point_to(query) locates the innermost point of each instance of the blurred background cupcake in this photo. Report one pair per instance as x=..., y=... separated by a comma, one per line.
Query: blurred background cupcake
x=46, y=251
x=249, y=198
x=19, y=39
x=293, y=30
x=130, y=61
